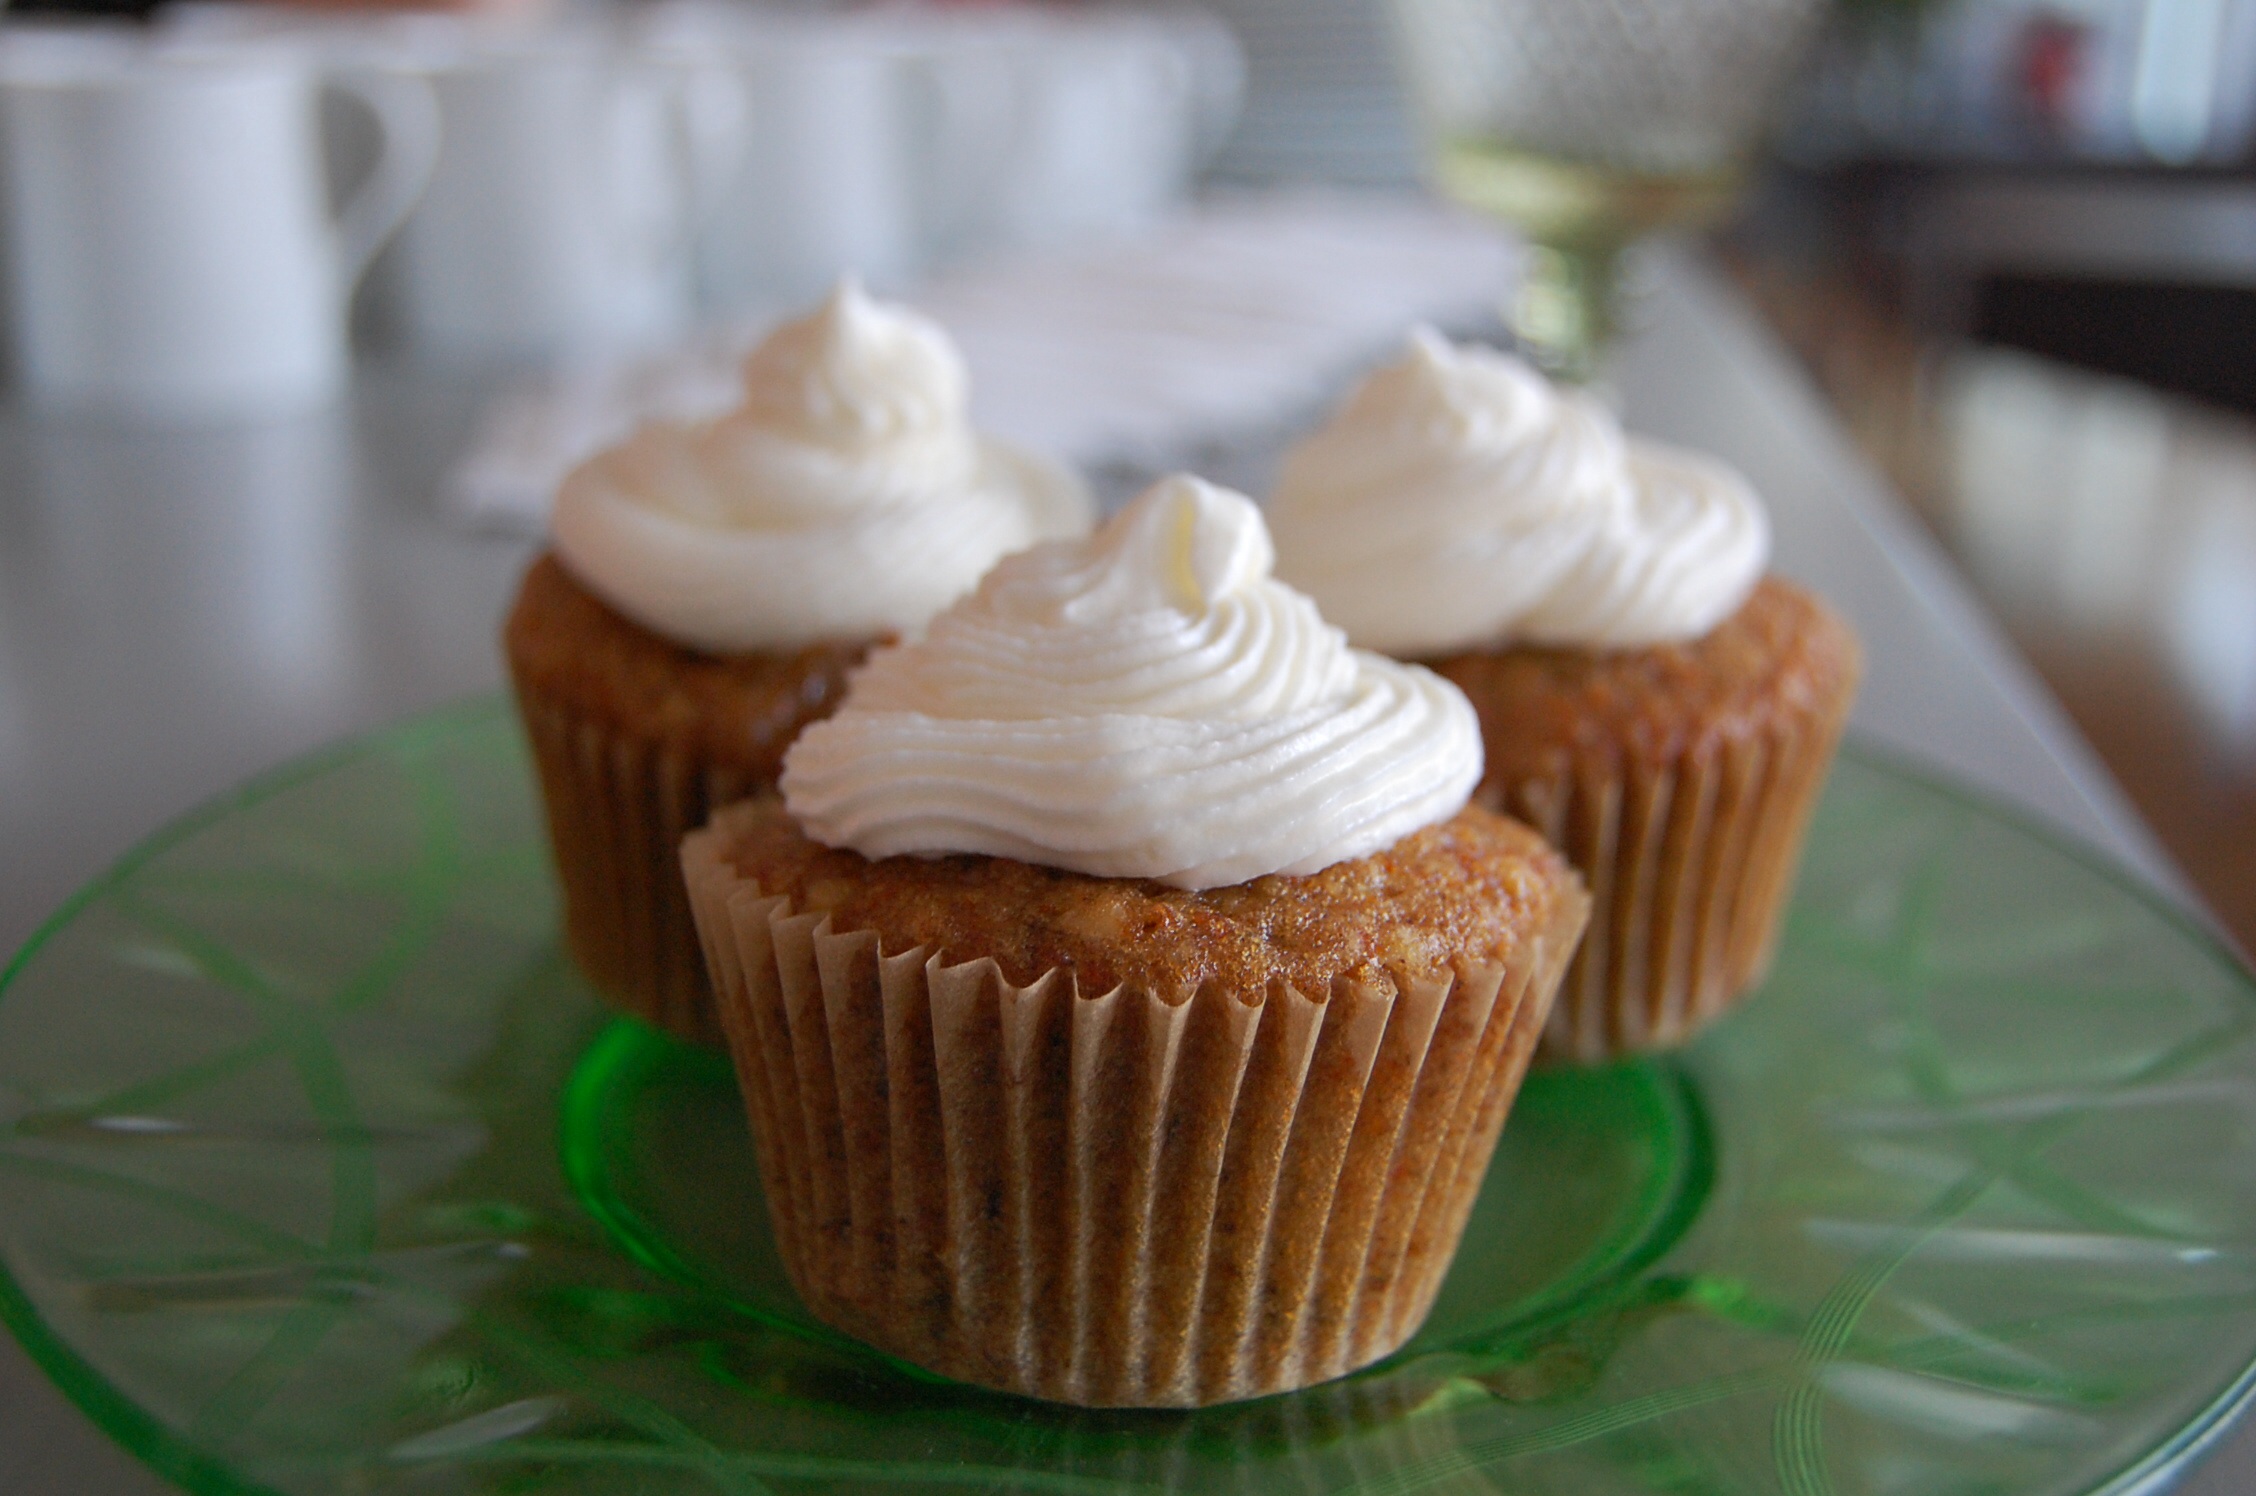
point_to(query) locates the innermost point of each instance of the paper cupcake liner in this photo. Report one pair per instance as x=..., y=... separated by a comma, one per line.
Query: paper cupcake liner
x=1111, y=1201
x=618, y=808
x=1690, y=864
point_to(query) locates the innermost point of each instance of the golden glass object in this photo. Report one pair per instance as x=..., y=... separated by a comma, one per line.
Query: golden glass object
x=1588, y=124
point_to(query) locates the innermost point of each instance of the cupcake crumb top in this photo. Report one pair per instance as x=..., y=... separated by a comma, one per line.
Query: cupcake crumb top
x=1784, y=656
x=568, y=649
x=1469, y=886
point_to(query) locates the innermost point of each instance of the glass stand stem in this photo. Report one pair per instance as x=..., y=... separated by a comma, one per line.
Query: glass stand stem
x=1567, y=310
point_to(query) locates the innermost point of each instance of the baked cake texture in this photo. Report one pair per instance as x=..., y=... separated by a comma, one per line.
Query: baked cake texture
x=636, y=741
x=1679, y=779
x=1117, y=1143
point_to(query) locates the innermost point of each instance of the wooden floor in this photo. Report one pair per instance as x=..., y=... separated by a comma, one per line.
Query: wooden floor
x=2112, y=529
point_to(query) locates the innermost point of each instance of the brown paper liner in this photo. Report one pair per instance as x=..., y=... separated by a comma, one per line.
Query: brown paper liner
x=1690, y=863
x=1112, y=1201
x=618, y=808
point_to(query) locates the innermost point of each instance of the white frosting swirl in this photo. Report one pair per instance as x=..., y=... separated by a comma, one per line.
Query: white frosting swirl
x=1459, y=501
x=1147, y=703
x=847, y=497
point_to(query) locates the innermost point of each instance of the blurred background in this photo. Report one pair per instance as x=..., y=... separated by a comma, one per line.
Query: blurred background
x=2016, y=245
x=2013, y=242
x=306, y=307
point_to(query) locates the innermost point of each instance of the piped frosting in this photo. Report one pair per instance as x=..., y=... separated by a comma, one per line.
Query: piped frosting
x=845, y=498
x=1146, y=703
x=1459, y=500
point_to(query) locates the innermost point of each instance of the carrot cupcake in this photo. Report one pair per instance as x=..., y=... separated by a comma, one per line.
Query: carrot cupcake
x=1652, y=702
x=708, y=588
x=1126, y=999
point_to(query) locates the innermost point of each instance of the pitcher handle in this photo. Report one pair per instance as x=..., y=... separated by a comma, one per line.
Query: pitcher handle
x=711, y=118
x=407, y=118
x=701, y=108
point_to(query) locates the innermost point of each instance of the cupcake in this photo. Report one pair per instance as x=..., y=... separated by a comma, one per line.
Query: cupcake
x=710, y=585
x=1126, y=999
x=1663, y=711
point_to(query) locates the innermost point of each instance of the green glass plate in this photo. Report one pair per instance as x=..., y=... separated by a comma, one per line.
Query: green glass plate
x=321, y=1172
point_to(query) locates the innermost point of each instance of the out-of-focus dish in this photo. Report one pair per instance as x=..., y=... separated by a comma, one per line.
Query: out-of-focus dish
x=282, y=1203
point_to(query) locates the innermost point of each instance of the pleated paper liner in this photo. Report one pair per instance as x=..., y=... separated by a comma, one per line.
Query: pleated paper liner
x=637, y=740
x=1112, y=1201
x=618, y=808
x=1690, y=865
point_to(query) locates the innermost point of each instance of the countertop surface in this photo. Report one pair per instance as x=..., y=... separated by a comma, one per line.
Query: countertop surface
x=179, y=610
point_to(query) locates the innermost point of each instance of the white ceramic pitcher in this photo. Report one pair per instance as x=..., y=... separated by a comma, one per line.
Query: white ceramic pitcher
x=800, y=168
x=557, y=219
x=170, y=248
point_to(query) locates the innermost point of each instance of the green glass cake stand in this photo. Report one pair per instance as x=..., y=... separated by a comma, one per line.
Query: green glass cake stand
x=321, y=1172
